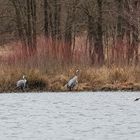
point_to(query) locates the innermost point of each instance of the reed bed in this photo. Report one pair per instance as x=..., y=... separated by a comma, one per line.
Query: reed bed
x=46, y=73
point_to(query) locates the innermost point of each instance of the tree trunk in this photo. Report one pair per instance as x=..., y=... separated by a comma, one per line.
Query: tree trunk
x=68, y=37
x=46, y=22
x=120, y=19
x=31, y=20
x=99, y=39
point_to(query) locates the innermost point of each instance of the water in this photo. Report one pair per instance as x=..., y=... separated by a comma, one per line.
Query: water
x=70, y=116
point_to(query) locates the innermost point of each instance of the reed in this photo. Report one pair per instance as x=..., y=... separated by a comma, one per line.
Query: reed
x=48, y=72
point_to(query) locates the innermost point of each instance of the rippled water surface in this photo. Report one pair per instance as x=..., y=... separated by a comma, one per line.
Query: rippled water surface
x=70, y=116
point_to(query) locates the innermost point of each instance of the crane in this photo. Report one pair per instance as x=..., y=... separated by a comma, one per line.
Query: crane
x=22, y=84
x=73, y=81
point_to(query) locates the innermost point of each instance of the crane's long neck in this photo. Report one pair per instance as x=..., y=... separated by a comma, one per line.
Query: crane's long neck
x=77, y=73
x=24, y=79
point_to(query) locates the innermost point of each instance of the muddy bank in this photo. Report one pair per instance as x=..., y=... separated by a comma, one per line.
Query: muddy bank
x=81, y=87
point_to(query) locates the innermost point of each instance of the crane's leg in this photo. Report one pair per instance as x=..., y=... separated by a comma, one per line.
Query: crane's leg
x=22, y=88
x=70, y=89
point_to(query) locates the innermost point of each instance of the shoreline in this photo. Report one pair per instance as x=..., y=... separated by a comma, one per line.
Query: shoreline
x=105, y=88
x=90, y=79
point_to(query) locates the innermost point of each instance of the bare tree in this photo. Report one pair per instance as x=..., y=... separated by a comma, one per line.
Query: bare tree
x=26, y=23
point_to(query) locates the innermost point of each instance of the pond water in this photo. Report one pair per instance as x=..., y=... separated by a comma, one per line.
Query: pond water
x=70, y=116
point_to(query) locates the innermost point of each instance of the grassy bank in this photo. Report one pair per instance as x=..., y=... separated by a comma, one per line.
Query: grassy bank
x=90, y=79
x=45, y=72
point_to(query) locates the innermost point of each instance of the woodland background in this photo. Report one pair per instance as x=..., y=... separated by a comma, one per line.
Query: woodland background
x=55, y=37
x=100, y=31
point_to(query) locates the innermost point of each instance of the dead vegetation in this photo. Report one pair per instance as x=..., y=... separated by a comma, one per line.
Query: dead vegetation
x=90, y=79
x=45, y=73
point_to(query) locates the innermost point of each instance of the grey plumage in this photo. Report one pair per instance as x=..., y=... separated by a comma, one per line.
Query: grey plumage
x=22, y=83
x=73, y=81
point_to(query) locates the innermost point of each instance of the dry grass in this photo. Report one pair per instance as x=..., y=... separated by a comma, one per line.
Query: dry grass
x=89, y=79
x=118, y=75
x=9, y=77
x=45, y=73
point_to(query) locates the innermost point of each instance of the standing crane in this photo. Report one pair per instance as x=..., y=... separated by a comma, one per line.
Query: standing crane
x=22, y=84
x=73, y=81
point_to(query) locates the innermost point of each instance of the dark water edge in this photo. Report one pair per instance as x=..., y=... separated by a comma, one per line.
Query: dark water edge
x=74, y=91
x=83, y=87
